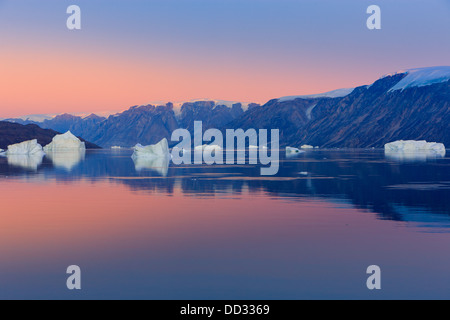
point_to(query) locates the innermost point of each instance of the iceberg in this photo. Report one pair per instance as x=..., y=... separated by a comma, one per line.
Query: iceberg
x=31, y=147
x=154, y=157
x=116, y=147
x=414, y=150
x=161, y=149
x=307, y=146
x=64, y=142
x=412, y=146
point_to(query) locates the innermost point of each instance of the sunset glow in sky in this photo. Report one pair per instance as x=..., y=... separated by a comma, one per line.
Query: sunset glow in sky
x=134, y=52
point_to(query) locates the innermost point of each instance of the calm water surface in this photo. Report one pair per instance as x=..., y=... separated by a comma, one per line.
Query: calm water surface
x=145, y=230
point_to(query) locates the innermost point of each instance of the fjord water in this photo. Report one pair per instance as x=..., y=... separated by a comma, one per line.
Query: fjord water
x=148, y=231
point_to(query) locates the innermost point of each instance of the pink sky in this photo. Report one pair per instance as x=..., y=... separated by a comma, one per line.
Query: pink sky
x=46, y=81
x=248, y=51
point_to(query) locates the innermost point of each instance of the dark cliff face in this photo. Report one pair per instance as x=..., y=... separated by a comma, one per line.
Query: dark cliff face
x=12, y=133
x=287, y=116
x=370, y=116
x=144, y=124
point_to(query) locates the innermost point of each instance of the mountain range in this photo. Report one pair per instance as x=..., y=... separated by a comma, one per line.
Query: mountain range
x=410, y=105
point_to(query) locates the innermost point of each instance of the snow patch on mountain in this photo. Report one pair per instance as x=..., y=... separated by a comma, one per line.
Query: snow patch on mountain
x=421, y=77
x=330, y=94
x=177, y=105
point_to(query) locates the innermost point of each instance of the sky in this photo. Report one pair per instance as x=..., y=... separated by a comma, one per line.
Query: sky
x=132, y=52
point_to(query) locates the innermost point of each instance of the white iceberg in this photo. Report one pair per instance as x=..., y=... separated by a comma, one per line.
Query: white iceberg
x=31, y=147
x=116, y=147
x=291, y=151
x=414, y=150
x=64, y=142
x=26, y=161
x=161, y=149
x=307, y=146
x=412, y=146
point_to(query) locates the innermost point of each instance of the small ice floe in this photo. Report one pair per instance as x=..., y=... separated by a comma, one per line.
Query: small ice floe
x=116, y=147
x=293, y=150
x=411, y=150
x=64, y=142
x=303, y=173
x=290, y=151
x=31, y=147
x=307, y=146
x=257, y=147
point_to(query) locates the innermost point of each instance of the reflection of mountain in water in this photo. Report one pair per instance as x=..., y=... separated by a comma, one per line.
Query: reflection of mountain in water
x=396, y=191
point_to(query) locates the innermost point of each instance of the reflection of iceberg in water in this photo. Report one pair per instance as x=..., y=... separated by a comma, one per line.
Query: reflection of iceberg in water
x=31, y=162
x=413, y=156
x=157, y=164
x=67, y=159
